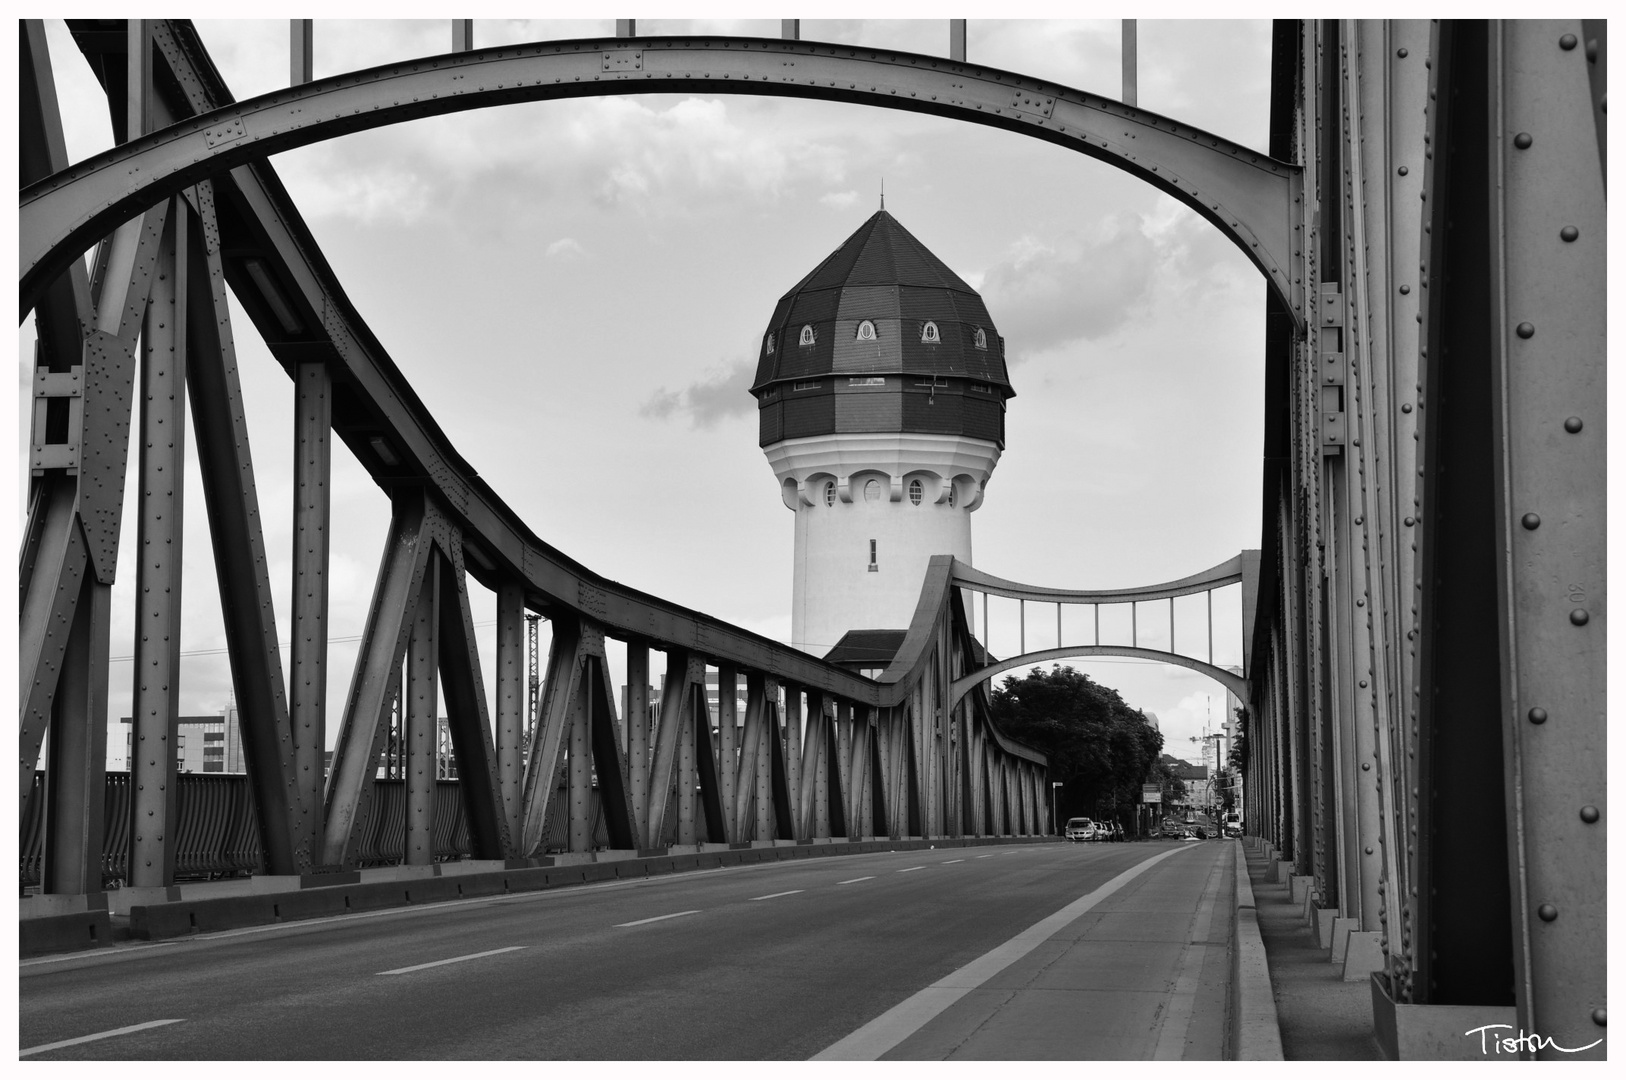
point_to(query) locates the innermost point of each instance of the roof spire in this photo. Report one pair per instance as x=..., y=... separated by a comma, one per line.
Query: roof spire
x=883, y=193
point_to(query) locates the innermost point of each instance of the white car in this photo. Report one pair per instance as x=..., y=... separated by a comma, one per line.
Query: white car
x=1079, y=829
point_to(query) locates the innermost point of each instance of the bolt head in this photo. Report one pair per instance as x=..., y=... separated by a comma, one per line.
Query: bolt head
x=1547, y=912
x=1531, y=521
x=1589, y=814
x=1599, y=1017
x=1573, y=425
x=1537, y=716
x=1567, y=42
x=1405, y=290
x=1403, y=54
x=1579, y=617
x=1523, y=140
x=1568, y=234
x=1525, y=330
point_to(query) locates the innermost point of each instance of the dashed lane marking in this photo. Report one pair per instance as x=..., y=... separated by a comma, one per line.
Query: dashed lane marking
x=856, y=880
x=99, y=1035
x=911, y=868
x=990, y=855
x=951, y=862
x=450, y=960
x=659, y=918
x=777, y=895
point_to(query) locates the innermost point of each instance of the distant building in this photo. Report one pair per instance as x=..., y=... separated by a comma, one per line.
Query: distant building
x=203, y=744
x=881, y=390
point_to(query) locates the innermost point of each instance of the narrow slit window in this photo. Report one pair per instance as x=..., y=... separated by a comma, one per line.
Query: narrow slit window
x=872, y=564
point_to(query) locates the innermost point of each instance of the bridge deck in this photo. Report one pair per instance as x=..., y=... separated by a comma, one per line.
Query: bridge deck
x=777, y=961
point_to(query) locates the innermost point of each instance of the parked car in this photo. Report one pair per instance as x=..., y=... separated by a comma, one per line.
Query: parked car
x=1079, y=829
x=1173, y=829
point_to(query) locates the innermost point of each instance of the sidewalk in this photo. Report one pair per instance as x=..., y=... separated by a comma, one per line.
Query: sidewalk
x=1322, y=1017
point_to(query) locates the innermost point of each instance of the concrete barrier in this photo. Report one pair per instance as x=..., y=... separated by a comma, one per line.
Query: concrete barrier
x=71, y=931
x=1256, y=1033
x=204, y=914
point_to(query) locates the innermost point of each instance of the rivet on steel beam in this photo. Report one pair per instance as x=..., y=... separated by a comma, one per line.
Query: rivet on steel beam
x=1402, y=170
x=1599, y=1016
x=1411, y=521
x=1592, y=50
x=1523, y=140
x=1401, y=53
x=1406, y=408
x=1366, y=766
x=1589, y=814
x=1573, y=425
x=1525, y=330
x=1567, y=42
x=1405, y=290
x=1531, y=521
x=1547, y=912
x=1369, y=851
x=1568, y=234
x=1537, y=716
x=1579, y=617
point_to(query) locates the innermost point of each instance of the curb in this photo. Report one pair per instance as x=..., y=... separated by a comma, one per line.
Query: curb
x=71, y=932
x=1256, y=1033
x=183, y=917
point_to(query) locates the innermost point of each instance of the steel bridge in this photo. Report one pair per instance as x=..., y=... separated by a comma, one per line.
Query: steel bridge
x=1425, y=617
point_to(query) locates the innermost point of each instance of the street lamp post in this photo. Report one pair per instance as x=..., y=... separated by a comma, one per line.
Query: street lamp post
x=1055, y=817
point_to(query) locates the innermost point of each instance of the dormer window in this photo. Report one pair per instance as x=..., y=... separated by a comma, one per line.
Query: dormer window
x=929, y=334
x=768, y=343
x=979, y=338
x=807, y=336
x=866, y=331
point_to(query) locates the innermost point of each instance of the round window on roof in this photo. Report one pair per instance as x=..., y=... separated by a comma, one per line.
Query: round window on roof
x=768, y=342
x=916, y=492
x=866, y=331
x=807, y=336
x=979, y=338
x=829, y=493
x=929, y=333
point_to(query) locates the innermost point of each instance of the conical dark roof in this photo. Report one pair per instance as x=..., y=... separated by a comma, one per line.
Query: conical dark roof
x=883, y=275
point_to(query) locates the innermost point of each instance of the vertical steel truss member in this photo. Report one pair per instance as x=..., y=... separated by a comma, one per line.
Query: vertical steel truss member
x=307, y=688
x=512, y=695
x=422, y=719
x=576, y=729
x=155, y=695
x=1548, y=245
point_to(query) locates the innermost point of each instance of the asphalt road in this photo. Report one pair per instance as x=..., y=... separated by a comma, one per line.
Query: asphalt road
x=776, y=961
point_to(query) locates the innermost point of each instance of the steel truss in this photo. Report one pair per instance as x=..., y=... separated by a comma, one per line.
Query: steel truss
x=819, y=752
x=1428, y=715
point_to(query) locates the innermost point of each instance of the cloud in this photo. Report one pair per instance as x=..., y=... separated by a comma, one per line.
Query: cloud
x=839, y=200
x=726, y=393
x=1051, y=292
x=563, y=248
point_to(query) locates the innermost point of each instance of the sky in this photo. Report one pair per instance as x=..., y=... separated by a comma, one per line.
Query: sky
x=577, y=290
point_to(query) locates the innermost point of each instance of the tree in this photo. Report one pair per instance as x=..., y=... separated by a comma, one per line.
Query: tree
x=1100, y=749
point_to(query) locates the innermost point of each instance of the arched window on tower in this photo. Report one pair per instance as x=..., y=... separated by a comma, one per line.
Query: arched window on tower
x=866, y=331
x=916, y=492
x=979, y=338
x=928, y=333
x=829, y=493
x=807, y=336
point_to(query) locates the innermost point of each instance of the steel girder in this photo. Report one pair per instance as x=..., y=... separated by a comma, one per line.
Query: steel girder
x=1246, y=195
x=1445, y=486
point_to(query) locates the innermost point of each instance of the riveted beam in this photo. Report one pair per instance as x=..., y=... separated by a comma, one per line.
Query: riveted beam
x=312, y=515
x=566, y=654
x=512, y=699
x=421, y=711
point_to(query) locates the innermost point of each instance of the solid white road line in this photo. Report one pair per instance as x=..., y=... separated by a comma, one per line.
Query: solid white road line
x=659, y=918
x=889, y=1029
x=856, y=880
x=117, y=953
x=777, y=895
x=905, y=871
x=92, y=1038
x=453, y=960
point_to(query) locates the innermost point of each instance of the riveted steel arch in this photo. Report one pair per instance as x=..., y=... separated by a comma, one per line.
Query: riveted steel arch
x=1248, y=196
x=1236, y=684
